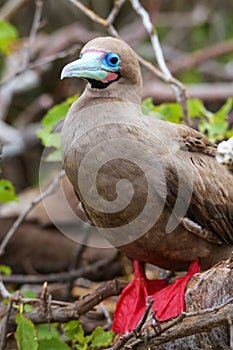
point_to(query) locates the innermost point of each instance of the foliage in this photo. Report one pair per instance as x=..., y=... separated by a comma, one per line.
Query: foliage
x=8, y=35
x=26, y=336
x=48, y=134
x=5, y=270
x=214, y=125
x=7, y=191
x=44, y=337
x=98, y=339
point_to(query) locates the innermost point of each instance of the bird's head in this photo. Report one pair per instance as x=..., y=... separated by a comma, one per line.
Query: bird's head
x=105, y=62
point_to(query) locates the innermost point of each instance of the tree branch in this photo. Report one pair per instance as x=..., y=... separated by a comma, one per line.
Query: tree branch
x=33, y=32
x=185, y=325
x=74, y=310
x=61, y=276
x=195, y=58
x=178, y=88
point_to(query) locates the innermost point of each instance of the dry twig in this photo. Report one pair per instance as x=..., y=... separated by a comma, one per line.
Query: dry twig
x=33, y=32
x=135, y=333
x=195, y=58
x=178, y=88
x=73, y=310
x=4, y=326
x=10, y=8
x=61, y=276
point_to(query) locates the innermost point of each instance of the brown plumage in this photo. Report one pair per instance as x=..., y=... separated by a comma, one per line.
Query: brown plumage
x=171, y=167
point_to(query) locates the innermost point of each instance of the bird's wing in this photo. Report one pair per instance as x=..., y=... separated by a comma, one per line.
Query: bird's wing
x=210, y=212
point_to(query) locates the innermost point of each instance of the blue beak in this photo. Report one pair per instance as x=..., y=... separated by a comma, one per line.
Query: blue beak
x=88, y=66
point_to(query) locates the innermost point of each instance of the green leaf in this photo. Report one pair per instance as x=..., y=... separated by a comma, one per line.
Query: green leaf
x=229, y=134
x=8, y=35
x=52, y=118
x=81, y=346
x=167, y=111
x=222, y=113
x=28, y=308
x=45, y=331
x=75, y=333
x=171, y=111
x=48, y=134
x=55, y=156
x=7, y=191
x=197, y=109
x=5, y=270
x=52, y=344
x=26, y=335
x=54, y=140
x=101, y=338
x=71, y=328
x=29, y=294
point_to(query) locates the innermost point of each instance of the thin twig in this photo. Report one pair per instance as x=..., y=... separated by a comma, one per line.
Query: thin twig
x=75, y=263
x=4, y=326
x=61, y=276
x=208, y=310
x=33, y=32
x=51, y=58
x=106, y=313
x=89, y=13
x=195, y=58
x=75, y=310
x=48, y=191
x=10, y=8
x=178, y=89
x=42, y=61
x=3, y=291
x=136, y=331
x=141, y=323
x=115, y=10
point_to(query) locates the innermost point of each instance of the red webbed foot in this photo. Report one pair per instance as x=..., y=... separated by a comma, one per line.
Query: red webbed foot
x=168, y=298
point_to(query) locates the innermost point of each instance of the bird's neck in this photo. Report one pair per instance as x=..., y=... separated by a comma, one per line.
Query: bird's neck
x=131, y=94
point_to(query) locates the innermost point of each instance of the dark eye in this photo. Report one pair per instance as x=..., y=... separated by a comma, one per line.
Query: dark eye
x=112, y=59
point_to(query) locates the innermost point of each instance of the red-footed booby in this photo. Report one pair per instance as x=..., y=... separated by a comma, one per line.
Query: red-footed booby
x=152, y=187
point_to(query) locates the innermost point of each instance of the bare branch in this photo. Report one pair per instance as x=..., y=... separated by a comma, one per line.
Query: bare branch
x=178, y=88
x=61, y=276
x=73, y=310
x=49, y=190
x=3, y=291
x=115, y=10
x=207, y=53
x=10, y=8
x=33, y=32
x=89, y=13
x=210, y=92
x=4, y=326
